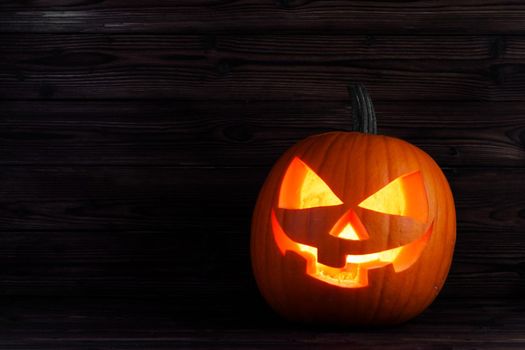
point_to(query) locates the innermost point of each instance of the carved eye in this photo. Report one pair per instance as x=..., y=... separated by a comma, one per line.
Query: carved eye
x=302, y=188
x=404, y=196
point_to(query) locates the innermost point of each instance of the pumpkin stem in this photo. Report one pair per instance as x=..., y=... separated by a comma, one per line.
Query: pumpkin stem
x=362, y=109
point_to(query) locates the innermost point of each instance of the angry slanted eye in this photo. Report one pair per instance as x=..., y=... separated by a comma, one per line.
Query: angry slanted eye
x=302, y=188
x=404, y=196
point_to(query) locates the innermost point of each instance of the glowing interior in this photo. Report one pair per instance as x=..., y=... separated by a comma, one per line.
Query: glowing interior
x=354, y=273
x=404, y=196
x=349, y=232
x=349, y=227
x=302, y=188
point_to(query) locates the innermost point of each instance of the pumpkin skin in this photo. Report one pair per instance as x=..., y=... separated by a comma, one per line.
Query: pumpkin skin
x=354, y=166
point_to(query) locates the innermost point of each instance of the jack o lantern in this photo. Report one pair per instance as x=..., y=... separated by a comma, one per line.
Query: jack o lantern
x=353, y=227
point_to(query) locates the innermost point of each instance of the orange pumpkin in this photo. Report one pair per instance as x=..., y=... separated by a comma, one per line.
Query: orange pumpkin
x=353, y=228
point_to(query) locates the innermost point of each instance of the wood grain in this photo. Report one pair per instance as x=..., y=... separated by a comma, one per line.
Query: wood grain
x=283, y=47
x=215, y=134
x=79, y=323
x=427, y=16
x=202, y=68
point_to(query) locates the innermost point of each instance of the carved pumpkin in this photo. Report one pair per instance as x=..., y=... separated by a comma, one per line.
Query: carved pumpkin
x=353, y=228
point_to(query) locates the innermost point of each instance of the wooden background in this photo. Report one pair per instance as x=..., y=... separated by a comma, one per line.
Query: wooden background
x=135, y=135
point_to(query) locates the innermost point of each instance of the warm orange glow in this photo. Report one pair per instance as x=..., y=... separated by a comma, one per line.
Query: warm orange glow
x=354, y=274
x=349, y=227
x=405, y=196
x=302, y=188
x=348, y=232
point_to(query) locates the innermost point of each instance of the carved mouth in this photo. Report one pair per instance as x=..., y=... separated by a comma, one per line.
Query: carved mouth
x=354, y=273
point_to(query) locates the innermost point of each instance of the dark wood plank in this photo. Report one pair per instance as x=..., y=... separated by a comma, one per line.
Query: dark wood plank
x=334, y=48
x=73, y=323
x=132, y=231
x=244, y=134
x=487, y=16
x=199, y=261
x=53, y=49
x=200, y=68
x=123, y=198
x=130, y=264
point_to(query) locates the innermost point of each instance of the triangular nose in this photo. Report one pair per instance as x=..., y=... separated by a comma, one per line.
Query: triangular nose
x=349, y=227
